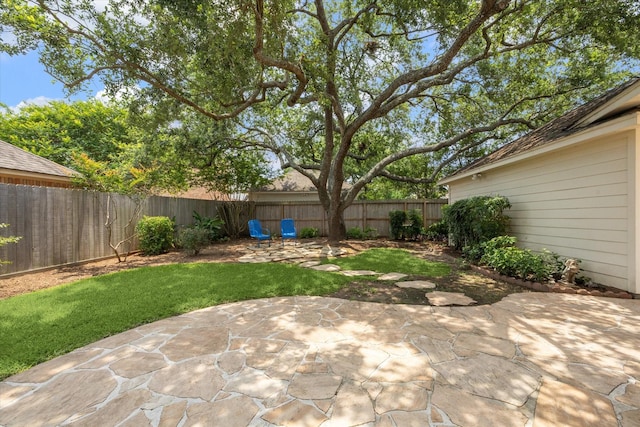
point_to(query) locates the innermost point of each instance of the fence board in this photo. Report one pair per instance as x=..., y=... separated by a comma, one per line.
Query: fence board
x=362, y=214
x=59, y=226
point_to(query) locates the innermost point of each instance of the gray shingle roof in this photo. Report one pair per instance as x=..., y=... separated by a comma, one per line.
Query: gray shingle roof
x=14, y=158
x=291, y=181
x=561, y=127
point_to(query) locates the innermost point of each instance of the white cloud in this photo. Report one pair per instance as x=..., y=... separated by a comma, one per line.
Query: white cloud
x=123, y=93
x=40, y=100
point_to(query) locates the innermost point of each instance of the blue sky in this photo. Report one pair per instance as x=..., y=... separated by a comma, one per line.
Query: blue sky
x=23, y=79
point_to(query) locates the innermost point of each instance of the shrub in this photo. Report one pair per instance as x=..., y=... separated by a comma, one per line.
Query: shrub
x=355, y=233
x=476, y=252
x=155, y=234
x=405, y=225
x=194, y=239
x=475, y=220
x=396, y=224
x=438, y=231
x=370, y=233
x=308, y=233
x=502, y=255
x=212, y=225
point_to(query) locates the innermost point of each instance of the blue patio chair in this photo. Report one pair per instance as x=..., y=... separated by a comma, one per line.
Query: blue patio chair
x=288, y=229
x=255, y=231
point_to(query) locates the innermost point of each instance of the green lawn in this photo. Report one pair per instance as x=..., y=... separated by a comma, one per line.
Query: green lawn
x=41, y=325
x=384, y=260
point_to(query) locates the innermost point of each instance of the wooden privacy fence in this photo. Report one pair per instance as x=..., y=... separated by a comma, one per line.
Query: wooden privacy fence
x=363, y=214
x=60, y=226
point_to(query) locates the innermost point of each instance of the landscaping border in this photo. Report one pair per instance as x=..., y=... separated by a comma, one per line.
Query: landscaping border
x=552, y=287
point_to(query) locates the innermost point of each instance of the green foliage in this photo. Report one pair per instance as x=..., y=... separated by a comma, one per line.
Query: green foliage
x=438, y=231
x=474, y=253
x=155, y=234
x=477, y=219
x=6, y=240
x=405, y=225
x=194, y=239
x=356, y=233
x=396, y=223
x=58, y=130
x=370, y=233
x=309, y=233
x=361, y=92
x=213, y=226
x=502, y=255
x=384, y=260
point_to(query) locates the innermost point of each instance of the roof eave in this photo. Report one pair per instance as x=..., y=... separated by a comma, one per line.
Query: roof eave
x=617, y=125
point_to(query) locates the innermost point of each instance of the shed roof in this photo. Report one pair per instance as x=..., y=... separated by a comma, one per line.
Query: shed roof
x=291, y=181
x=15, y=158
x=615, y=102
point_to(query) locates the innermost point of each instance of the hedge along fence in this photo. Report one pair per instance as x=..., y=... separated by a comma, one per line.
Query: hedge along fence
x=63, y=226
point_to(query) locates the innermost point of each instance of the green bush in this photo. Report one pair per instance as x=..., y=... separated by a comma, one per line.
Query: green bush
x=308, y=233
x=155, y=234
x=476, y=252
x=438, y=231
x=355, y=233
x=475, y=220
x=370, y=233
x=405, y=225
x=194, y=239
x=212, y=225
x=396, y=224
x=502, y=255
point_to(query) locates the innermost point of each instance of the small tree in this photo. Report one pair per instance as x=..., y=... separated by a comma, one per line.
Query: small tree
x=122, y=178
x=6, y=241
x=476, y=219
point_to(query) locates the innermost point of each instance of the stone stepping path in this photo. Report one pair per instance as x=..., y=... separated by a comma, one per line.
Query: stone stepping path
x=359, y=273
x=527, y=360
x=307, y=255
x=392, y=276
x=416, y=284
x=438, y=298
x=326, y=267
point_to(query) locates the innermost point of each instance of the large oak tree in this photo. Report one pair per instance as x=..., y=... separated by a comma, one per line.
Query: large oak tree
x=341, y=90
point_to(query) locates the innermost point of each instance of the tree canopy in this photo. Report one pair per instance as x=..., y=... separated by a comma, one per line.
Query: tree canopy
x=341, y=90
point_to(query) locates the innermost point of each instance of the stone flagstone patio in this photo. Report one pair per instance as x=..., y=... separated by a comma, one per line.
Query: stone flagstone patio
x=532, y=360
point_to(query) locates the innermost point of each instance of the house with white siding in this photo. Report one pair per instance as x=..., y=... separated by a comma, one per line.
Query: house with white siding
x=574, y=186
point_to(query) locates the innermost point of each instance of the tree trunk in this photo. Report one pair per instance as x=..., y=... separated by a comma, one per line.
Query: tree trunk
x=337, y=227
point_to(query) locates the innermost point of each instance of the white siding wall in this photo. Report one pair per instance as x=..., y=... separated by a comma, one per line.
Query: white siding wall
x=574, y=202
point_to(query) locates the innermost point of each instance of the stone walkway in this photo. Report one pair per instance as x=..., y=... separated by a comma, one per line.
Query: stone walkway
x=307, y=255
x=533, y=359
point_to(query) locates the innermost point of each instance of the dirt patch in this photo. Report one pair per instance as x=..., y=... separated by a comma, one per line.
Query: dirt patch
x=482, y=289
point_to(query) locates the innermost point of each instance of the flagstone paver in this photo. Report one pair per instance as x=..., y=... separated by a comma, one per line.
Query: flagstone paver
x=326, y=267
x=416, y=284
x=392, y=276
x=359, y=273
x=532, y=359
x=449, y=298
